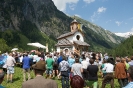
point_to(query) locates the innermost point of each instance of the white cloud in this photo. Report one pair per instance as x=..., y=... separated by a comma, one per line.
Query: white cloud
x=126, y=34
x=72, y=6
x=88, y=1
x=118, y=23
x=77, y=15
x=101, y=9
x=96, y=15
x=132, y=29
x=61, y=4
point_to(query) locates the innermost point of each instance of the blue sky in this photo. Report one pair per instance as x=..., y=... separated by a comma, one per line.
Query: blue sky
x=113, y=15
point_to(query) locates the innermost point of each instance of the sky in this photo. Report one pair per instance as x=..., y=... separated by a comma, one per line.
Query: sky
x=113, y=15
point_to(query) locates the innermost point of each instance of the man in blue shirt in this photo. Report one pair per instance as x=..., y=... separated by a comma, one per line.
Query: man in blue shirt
x=71, y=61
x=58, y=61
x=26, y=67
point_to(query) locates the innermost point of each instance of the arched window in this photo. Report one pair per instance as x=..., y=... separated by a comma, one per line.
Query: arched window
x=77, y=37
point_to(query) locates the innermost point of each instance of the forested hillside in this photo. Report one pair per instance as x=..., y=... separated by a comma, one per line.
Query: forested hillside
x=124, y=49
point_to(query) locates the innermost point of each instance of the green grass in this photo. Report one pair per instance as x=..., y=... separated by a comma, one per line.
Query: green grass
x=18, y=80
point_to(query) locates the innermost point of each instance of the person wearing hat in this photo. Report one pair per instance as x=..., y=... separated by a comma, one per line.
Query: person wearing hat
x=39, y=81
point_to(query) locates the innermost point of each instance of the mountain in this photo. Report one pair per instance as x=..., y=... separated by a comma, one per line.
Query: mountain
x=124, y=49
x=24, y=21
x=31, y=21
x=125, y=35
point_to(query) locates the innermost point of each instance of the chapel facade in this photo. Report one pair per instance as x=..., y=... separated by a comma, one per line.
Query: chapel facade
x=72, y=41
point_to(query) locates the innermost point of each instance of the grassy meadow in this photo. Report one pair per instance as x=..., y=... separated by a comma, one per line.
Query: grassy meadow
x=18, y=80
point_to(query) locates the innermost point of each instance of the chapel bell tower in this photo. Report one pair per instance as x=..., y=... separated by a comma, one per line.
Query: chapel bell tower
x=74, y=25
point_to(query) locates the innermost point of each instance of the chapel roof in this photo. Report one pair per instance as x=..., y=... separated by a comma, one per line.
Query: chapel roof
x=81, y=43
x=66, y=34
x=63, y=42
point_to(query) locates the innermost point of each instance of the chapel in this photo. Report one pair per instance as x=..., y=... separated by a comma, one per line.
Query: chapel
x=72, y=41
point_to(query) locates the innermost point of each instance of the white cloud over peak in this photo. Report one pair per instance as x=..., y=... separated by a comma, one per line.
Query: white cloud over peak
x=118, y=23
x=126, y=34
x=61, y=4
x=101, y=9
x=88, y=1
x=132, y=29
x=77, y=15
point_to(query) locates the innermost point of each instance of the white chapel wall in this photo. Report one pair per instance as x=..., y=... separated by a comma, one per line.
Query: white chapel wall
x=73, y=37
x=70, y=38
x=58, y=49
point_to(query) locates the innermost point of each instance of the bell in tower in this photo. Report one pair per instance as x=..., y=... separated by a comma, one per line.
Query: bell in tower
x=74, y=25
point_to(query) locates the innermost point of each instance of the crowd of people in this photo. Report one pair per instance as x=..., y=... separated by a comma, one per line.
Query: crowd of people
x=74, y=71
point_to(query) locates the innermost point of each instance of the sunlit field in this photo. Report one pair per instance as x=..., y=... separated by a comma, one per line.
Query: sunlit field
x=18, y=80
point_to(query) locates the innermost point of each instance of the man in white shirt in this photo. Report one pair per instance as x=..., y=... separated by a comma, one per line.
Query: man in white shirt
x=34, y=58
x=109, y=68
x=87, y=56
x=10, y=63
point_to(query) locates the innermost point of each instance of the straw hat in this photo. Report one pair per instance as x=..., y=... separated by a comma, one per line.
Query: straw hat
x=40, y=65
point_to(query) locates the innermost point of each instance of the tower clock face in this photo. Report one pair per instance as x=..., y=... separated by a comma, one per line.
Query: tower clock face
x=78, y=37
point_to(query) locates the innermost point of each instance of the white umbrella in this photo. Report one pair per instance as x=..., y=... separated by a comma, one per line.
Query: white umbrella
x=37, y=45
x=14, y=49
